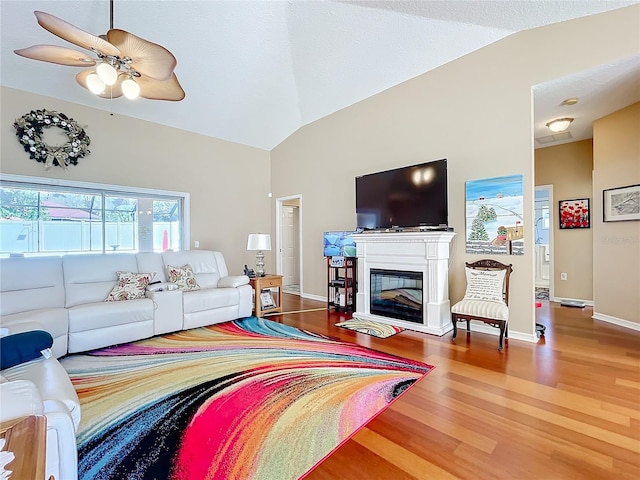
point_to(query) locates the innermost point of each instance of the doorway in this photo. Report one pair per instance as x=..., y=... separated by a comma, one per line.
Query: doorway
x=543, y=241
x=288, y=243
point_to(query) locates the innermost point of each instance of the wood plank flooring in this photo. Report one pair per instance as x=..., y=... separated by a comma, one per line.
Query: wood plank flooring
x=567, y=407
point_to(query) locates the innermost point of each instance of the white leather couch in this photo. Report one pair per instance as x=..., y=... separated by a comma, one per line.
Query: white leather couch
x=65, y=296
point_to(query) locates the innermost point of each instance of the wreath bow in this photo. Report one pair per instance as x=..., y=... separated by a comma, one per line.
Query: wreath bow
x=56, y=155
x=29, y=130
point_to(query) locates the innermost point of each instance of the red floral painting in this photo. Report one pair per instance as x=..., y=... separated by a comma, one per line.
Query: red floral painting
x=574, y=213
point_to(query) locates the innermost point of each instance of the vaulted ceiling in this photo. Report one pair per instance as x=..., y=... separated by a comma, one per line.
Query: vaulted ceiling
x=256, y=71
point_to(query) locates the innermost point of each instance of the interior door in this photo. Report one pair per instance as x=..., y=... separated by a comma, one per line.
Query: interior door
x=290, y=235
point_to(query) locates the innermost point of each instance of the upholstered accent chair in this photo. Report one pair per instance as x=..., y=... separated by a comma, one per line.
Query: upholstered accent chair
x=486, y=298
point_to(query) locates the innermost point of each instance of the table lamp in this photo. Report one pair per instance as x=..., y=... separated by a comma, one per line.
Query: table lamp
x=259, y=242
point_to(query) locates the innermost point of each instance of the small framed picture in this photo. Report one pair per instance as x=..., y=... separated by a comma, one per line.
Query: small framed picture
x=266, y=300
x=336, y=262
x=574, y=213
x=621, y=204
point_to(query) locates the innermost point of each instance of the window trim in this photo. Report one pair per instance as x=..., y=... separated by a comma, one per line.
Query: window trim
x=111, y=189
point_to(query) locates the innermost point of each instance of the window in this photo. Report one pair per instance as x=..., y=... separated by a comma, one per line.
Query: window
x=545, y=218
x=40, y=217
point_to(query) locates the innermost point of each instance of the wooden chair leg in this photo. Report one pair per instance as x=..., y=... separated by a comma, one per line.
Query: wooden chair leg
x=455, y=327
x=503, y=327
x=468, y=327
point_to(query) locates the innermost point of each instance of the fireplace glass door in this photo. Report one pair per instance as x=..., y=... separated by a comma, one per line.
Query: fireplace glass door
x=396, y=294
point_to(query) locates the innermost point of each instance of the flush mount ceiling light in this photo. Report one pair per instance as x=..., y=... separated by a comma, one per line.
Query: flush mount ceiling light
x=126, y=64
x=569, y=102
x=559, y=124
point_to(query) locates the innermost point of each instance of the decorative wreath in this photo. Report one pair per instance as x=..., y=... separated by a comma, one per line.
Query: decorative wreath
x=29, y=129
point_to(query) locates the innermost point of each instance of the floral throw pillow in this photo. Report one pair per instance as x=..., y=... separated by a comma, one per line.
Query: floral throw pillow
x=129, y=286
x=183, y=277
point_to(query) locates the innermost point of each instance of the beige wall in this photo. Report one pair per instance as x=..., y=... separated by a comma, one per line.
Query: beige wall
x=568, y=168
x=616, y=259
x=475, y=111
x=228, y=182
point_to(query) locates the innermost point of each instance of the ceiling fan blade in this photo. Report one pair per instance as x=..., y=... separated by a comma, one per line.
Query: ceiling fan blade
x=153, y=89
x=74, y=35
x=148, y=58
x=114, y=91
x=55, y=54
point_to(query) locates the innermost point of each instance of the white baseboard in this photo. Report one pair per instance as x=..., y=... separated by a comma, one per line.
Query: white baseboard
x=313, y=297
x=616, y=321
x=565, y=299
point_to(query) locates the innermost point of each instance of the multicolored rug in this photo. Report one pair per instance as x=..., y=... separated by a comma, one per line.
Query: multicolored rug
x=250, y=399
x=376, y=329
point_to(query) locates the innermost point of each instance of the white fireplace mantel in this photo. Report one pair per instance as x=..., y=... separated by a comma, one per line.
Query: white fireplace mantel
x=426, y=252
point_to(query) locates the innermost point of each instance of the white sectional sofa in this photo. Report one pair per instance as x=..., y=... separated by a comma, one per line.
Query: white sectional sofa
x=66, y=295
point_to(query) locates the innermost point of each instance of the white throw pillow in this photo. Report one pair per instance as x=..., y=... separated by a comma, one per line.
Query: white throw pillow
x=485, y=285
x=130, y=286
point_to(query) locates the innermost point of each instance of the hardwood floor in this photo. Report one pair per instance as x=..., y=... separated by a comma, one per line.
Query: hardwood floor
x=567, y=407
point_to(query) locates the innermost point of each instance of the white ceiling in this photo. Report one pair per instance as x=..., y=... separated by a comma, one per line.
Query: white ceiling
x=256, y=71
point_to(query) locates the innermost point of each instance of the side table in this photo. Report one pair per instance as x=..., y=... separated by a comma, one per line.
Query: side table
x=26, y=439
x=261, y=283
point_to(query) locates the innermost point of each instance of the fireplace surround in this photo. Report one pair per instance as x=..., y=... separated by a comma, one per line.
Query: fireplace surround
x=422, y=257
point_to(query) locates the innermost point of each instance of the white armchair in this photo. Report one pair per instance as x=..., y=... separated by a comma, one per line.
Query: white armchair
x=42, y=387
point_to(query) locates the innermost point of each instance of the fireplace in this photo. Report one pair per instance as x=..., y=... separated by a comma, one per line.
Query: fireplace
x=417, y=262
x=396, y=294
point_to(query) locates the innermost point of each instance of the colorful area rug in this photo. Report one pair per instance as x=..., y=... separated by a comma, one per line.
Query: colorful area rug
x=376, y=329
x=250, y=399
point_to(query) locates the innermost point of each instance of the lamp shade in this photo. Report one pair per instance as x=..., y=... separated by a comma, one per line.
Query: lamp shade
x=130, y=88
x=107, y=73
x=259, y=241
x=95, y=83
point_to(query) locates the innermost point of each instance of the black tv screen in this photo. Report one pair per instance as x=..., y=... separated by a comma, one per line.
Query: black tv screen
x=414, y=196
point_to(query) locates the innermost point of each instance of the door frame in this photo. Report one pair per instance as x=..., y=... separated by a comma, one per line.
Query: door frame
x=279, y=206
x=549, y=189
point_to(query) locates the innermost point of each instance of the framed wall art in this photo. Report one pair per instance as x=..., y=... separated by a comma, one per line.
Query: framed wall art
x=621, y=204
x=574, y=213
x=495, y=216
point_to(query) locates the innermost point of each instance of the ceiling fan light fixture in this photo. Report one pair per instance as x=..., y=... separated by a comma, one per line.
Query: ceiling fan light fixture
x=120, y=56
x=107, y=73
x=559, y=124
x=130, y=88
x=95, y=84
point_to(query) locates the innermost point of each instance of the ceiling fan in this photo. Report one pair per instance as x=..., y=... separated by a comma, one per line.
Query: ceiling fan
x=124, y=63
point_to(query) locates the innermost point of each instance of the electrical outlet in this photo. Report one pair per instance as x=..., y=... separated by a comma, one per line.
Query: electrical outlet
x=196, y=244
x=563, y=276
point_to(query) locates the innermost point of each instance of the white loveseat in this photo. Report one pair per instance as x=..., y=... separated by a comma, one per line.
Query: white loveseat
x=66, y=295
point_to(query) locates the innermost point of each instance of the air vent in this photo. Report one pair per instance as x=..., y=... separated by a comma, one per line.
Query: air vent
x=556, y=137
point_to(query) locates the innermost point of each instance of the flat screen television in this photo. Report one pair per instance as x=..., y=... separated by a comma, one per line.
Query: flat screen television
x=406, y=197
